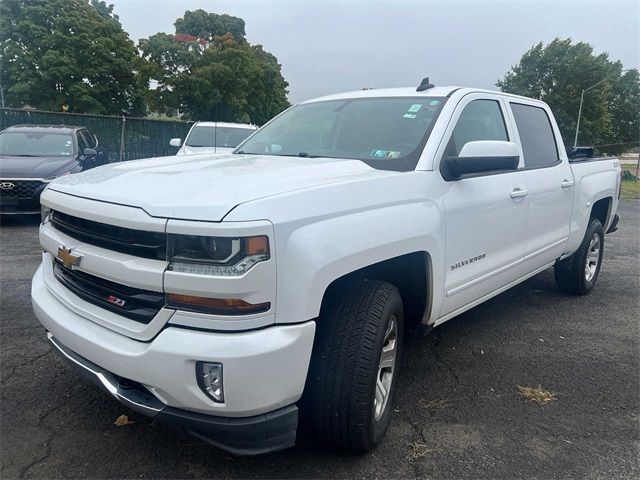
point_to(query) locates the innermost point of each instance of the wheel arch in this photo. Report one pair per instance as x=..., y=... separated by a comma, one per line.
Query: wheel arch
x=601, y=210
x=411, y=274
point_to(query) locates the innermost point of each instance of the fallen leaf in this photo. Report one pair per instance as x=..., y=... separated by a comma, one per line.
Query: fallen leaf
x=122, y=420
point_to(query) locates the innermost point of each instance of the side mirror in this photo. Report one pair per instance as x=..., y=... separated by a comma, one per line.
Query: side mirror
x=89, y=152
x=482, y=156
x=175, y=142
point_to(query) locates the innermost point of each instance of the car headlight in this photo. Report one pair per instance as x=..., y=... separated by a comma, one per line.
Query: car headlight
x=222, y=256
x=45, y=212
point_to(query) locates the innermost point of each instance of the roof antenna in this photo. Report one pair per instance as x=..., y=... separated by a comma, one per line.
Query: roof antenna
x=424, y=85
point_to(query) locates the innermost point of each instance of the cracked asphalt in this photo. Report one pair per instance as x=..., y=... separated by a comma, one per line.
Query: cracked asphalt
x=458, y=413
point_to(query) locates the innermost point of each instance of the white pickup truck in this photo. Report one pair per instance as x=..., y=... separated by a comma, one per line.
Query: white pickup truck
x=244, y=295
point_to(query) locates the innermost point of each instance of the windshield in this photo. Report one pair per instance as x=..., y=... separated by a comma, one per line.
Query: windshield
x=36, y=144
x=386, y=133
x=229, y=137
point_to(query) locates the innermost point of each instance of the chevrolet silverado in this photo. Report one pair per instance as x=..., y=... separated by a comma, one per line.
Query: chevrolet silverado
x=246, y=295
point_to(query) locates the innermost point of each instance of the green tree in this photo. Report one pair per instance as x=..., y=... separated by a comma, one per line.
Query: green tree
x=558, y=72
x=67, y=53
x=625, y=108
x=209, y=71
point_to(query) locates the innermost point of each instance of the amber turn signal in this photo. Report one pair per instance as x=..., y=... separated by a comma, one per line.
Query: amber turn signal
x=257, y=245
x=216, y=306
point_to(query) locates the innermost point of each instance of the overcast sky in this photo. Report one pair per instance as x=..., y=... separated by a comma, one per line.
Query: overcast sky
x=331, y=46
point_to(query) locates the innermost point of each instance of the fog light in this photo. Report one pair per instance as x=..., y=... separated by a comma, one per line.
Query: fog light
x=209, y=377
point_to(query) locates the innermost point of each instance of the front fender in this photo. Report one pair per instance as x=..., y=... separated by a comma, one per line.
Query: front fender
x=315, y=255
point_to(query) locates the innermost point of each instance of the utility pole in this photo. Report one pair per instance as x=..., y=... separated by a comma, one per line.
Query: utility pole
x=575, y=139
x=122, y=128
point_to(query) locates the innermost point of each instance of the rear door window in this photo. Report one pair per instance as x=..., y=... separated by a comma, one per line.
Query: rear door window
x=536, y=136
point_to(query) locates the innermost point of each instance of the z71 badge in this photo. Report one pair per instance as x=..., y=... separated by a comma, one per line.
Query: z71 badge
x=468, y=261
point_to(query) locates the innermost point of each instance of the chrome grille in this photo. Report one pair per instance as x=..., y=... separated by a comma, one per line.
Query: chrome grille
x=139, y=243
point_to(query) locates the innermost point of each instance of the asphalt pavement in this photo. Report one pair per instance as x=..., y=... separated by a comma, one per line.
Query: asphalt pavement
x=458, y=412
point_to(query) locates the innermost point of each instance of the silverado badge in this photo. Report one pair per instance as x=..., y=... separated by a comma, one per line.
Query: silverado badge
x=68, y=259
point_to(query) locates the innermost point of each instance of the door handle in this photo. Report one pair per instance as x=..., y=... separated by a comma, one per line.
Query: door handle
x=567, y=183
x=519, y=192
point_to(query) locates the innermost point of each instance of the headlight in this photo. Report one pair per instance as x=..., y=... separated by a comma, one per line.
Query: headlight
x=44, y=213
x=223, y=256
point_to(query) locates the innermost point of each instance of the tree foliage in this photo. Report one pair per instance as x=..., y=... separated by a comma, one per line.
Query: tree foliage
x=67, y=53
x=209, y=71
x=557, y=74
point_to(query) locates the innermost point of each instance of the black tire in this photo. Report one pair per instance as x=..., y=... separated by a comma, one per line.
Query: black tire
x=570, y=273
x=344, y=366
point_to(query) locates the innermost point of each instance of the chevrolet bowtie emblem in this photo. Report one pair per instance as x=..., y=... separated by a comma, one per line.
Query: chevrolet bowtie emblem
x=68, y=259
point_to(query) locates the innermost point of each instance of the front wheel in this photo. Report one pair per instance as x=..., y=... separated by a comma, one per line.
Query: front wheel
x=355, y=364
x=578, y=273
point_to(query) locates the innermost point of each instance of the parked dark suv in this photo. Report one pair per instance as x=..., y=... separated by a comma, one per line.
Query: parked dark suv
x=33, y=155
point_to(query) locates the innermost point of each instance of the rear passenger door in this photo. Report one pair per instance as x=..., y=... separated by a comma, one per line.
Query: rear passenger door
x=550, y=184
x=485, y=214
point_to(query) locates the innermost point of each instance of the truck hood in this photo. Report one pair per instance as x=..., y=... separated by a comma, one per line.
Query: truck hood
x=207, y=187
x=35, y=167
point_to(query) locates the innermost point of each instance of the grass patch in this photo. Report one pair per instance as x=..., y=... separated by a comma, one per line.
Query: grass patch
x=630, y=190
x=536, y=394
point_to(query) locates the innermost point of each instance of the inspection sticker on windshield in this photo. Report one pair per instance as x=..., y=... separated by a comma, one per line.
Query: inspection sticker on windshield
x=434, y=102
x=384, y=154
x=415, y=107
x=409, y=115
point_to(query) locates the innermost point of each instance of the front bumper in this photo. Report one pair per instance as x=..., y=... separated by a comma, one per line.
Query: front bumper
x=254, y=435
x=264, y=370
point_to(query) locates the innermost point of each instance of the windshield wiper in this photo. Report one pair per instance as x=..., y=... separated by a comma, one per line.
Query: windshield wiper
x=242, y=152
x=300, y=154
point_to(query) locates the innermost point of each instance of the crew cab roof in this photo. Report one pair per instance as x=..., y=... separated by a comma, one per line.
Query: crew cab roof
x=439, y=91
x=388, y=92
x=50, y=128
x=226, y=125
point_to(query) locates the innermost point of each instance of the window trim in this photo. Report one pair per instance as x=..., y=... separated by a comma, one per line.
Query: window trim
x=553, y=134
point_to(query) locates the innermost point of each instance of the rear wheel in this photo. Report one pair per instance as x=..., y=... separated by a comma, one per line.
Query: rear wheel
x=355, y=363
x=578, y=273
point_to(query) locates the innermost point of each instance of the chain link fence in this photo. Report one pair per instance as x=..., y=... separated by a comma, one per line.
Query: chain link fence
x=119, y=138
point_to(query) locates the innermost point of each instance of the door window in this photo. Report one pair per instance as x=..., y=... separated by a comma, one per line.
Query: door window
x=480, y=120
x=89, y=138
x=536, y=136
